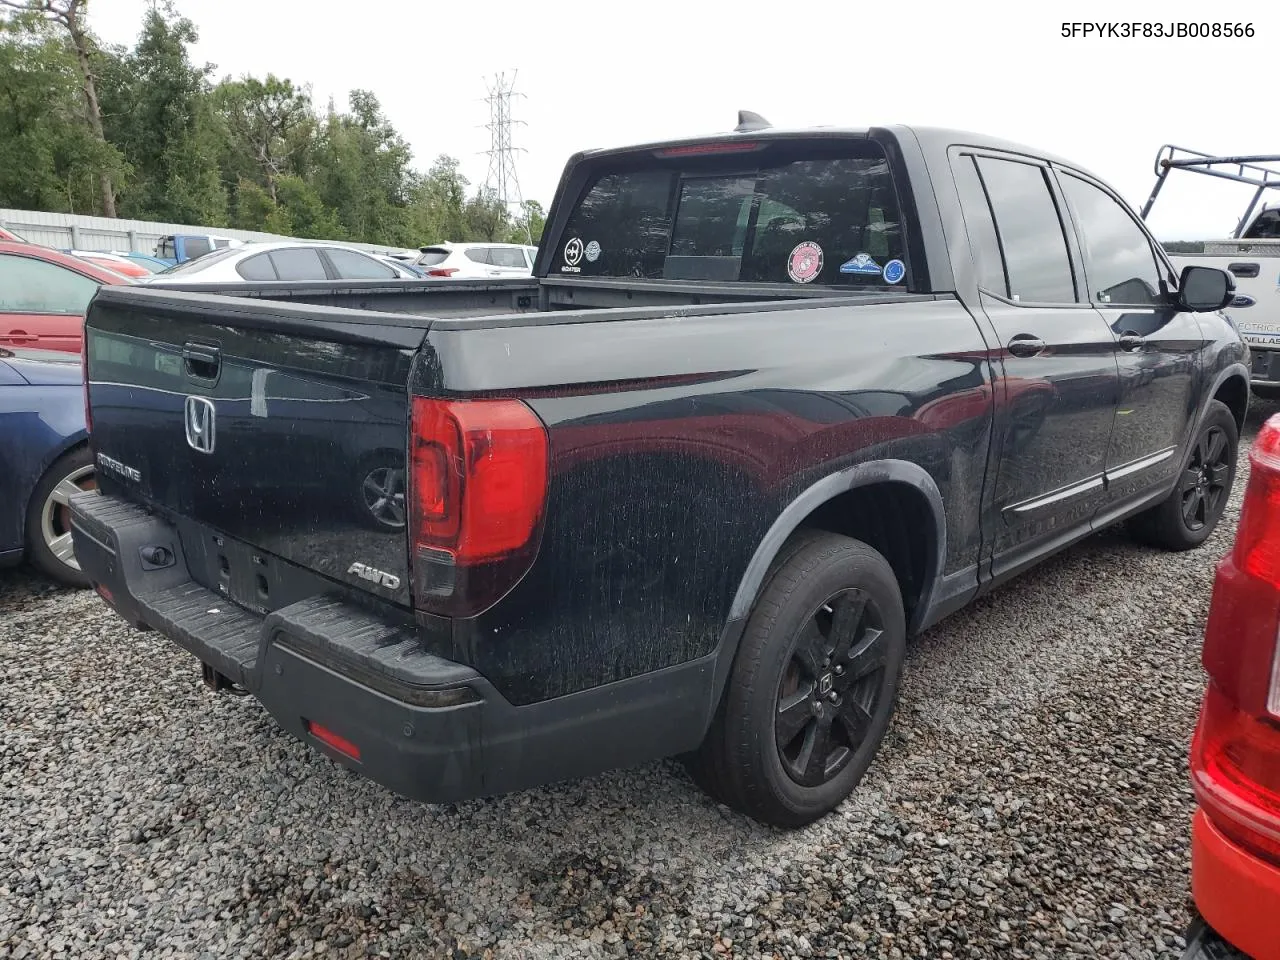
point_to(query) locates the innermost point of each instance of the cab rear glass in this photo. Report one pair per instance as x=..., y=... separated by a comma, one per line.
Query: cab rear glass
x=817, y=213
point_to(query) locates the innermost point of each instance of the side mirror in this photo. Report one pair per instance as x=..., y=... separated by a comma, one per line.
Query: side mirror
x=1205, y=289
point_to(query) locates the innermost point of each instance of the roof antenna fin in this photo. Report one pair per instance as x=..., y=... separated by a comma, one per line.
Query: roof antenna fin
x=748, y=121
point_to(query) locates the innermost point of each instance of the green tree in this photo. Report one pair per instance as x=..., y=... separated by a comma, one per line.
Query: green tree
x=68, y=16
x=529, y=225
x=49, y=158
x=158, y=112
x=266, y=122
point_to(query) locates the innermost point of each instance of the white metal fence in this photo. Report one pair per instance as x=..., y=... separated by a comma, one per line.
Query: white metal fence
x=69, y=231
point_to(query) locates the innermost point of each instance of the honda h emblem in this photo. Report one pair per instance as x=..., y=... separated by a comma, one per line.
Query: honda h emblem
x=198, y=413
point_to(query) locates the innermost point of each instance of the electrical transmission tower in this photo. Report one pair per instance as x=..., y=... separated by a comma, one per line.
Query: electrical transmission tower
x=502, y=178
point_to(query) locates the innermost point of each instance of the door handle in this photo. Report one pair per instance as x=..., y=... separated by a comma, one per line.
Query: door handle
x=1132, y=342
x=21, y=336
x=202, y=361
x=1246, y=271
x=1025, y=345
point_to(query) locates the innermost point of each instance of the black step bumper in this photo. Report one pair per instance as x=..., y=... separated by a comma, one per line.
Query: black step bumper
x=1203, y=943
x=427, y=728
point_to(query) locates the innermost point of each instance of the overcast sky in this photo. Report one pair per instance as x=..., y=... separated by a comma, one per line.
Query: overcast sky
x=599, y=74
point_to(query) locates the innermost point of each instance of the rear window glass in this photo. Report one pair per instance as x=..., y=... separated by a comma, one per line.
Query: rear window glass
x=1266, y=227
x=257, y=267
x=197, y=246
x=431, y=257
x=792, y=214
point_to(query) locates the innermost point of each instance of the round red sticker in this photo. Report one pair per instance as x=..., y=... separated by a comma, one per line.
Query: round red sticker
x=805, y=262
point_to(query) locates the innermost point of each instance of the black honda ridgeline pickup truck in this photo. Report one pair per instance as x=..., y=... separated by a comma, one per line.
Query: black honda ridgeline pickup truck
x=771, y=403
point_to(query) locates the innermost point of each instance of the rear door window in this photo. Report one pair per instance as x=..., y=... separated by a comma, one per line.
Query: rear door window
x=507, y=257
x=1030, y=231
x=298, y=263
x=789, y=213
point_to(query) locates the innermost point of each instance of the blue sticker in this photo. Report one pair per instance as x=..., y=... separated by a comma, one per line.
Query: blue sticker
x=862, y=263
x=894, y=271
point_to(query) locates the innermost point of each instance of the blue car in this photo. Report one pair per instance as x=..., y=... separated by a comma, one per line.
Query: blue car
x=44, y=459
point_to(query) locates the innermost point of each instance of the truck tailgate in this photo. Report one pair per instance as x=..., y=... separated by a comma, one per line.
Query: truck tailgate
x=273, y=435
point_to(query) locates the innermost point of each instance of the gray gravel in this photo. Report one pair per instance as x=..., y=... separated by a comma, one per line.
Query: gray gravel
x=1031, y=800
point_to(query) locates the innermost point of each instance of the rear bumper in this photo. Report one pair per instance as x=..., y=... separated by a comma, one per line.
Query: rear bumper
x=1237, y=894
x=428, y=728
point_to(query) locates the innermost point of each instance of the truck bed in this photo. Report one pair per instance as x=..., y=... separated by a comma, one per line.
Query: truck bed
x=453, y=299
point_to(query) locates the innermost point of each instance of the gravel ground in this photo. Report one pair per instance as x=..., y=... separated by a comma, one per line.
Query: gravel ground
x=1031, y=800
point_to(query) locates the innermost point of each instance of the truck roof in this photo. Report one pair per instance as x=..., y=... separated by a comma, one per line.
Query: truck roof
x=932, y=140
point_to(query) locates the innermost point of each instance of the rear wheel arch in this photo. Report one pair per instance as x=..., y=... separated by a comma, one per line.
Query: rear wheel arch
x=868, y=502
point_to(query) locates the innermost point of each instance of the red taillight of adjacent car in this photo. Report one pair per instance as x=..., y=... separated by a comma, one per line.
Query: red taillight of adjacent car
x=1235, y=756
x=478, y=489
x=442, y=272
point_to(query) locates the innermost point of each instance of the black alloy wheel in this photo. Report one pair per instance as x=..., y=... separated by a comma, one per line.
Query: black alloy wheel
x=813, y=683
x=1205, y=483
x=829, y=692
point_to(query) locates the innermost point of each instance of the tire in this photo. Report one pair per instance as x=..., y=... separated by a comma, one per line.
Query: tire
x=48, y=524
x=1189, y=515
x=790, y=684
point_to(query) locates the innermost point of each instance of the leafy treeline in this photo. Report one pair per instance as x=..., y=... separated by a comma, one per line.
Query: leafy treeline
x=144, y=133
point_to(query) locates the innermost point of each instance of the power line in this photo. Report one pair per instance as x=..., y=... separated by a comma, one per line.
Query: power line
x=502, y=177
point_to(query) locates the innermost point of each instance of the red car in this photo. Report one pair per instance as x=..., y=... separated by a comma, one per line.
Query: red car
x=43, y=296
x=1235, y=754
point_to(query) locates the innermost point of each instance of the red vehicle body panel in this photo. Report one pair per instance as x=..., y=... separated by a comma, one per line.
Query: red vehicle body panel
x=121, y=266
x=1237, y=893
x=46, y=331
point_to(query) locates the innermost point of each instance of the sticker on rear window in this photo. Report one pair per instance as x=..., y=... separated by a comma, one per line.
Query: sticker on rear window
x=572, y=256
x=805, y=262
x=863, y=264
x=894, y=271
x=593, y=251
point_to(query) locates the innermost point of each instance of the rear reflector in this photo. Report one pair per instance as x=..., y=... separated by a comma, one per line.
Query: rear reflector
x=105, y=594
x=442, y=272
x=331, y=739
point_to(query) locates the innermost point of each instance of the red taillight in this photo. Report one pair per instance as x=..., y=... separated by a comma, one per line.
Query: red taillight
x=442, y=272
x=1235, y=767
x=478, y=485
x=1235, y=758
x=333, y=740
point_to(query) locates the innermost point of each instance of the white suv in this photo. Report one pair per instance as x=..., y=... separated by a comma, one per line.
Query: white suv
x=461, y=261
